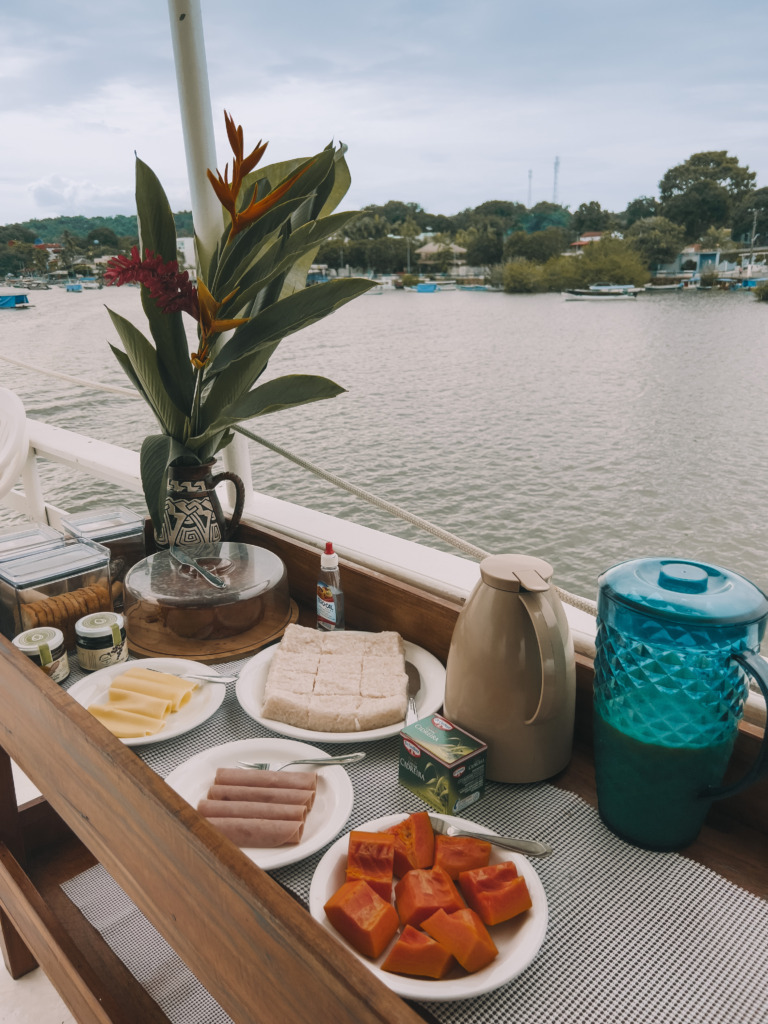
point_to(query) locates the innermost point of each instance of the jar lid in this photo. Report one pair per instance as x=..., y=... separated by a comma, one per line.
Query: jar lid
x=683, y=590
x=100, y=624
x=32, y=640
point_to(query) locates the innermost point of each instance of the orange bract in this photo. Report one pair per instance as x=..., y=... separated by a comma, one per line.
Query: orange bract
x=241, y=167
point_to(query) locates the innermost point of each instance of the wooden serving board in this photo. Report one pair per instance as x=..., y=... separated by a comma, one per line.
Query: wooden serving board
x=161, y=643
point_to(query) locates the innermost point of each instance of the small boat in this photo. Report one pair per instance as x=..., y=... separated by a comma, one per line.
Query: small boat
x=664, y=287
x=12, y=301
x=426, y=286
x=74, y=286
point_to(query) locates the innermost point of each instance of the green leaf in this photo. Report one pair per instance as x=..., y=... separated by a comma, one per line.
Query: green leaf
x=288, y=316
x=157, y=229
x=158, y=451
x=283, y=393
x=235, y=381
x=173, y=360
x=143, y=360
x=125, y=362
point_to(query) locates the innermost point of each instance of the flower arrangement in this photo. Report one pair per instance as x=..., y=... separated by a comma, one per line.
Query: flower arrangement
x=249, y=295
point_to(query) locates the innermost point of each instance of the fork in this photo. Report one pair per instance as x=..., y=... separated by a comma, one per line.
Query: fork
x=527, y=846
x=276, y=766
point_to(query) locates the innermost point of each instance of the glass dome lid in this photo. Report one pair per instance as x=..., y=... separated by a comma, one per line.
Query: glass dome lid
x=683, y=590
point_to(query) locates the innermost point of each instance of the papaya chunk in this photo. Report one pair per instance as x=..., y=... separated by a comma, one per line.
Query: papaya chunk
x=461, y=853
x=414, y=843
x=422, y=891
x=370, y=859
x=362, y=917
x=417, y=953
x=465, y=935
x=495, y=892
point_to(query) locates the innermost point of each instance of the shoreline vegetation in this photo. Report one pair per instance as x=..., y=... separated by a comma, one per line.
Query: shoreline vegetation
x=708, y=201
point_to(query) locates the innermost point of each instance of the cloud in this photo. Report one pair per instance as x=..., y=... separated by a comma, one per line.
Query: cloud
x=441, y=104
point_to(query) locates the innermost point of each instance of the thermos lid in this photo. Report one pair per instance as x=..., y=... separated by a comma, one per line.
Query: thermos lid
x=516, y=572
x=682, y=590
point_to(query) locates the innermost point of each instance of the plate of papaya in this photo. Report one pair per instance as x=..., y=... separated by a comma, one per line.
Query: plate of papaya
x=434, y=917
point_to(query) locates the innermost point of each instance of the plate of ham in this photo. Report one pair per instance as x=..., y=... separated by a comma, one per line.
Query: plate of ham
x=277, y=818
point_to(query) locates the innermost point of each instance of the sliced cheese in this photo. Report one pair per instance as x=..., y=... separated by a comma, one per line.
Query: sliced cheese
x=156, y=684
x=141, y=703
x=126, y=724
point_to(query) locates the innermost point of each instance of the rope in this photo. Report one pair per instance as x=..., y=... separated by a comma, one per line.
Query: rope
x=582, y=603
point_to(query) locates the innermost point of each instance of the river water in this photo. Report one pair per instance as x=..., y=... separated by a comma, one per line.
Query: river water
x=582, y=432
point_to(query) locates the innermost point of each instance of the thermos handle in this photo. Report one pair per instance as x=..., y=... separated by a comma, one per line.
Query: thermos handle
x=239, y=499
x=758, y=669
x=553, y=666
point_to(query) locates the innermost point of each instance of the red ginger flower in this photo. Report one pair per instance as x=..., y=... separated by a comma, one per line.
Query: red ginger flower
x=172, y=290
x=242, y=166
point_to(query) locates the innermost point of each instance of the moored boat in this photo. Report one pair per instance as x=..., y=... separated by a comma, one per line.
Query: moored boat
x=14, y=301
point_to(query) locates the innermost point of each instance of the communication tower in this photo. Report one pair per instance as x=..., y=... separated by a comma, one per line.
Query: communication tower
x=530, y=176
x=554, y=190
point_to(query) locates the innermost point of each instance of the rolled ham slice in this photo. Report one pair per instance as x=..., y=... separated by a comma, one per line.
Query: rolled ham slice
x=250, y=832
x=263, y=795
x=265, y=779
x=248, y=809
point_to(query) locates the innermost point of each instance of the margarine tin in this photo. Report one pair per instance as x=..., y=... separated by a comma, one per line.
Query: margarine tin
x=442, y=764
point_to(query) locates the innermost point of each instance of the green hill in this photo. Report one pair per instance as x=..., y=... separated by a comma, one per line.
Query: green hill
x=51, y=229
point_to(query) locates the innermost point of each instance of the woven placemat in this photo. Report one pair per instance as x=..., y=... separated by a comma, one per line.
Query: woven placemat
x=634, y=937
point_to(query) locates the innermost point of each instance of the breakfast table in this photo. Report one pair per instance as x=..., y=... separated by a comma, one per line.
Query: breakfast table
x=630, y=932
x=128, y=898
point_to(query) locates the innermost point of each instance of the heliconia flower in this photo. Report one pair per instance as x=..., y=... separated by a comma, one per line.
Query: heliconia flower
x=209, y=324
x=242, y=166
x=171, y=289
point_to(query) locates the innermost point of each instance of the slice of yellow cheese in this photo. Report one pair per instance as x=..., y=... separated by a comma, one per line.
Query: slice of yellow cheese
x=156, y=684
x=141, y=703
x=126, y=724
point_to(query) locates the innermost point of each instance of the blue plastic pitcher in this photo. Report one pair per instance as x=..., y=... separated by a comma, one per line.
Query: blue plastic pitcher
x=675, y=640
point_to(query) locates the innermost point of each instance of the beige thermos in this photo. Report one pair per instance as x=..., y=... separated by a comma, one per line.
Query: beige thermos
x=511, y=674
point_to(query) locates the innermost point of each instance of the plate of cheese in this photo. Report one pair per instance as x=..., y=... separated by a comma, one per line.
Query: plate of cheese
x=149, y=701
x=338, y=687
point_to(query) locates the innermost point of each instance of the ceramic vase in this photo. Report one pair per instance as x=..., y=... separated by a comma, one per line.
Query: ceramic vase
x=193, y=514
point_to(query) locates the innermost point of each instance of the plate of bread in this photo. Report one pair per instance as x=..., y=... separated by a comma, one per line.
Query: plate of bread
x=338, y=687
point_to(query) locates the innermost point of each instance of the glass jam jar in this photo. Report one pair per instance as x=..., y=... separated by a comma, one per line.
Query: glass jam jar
x=100, y=640
x=45, y=646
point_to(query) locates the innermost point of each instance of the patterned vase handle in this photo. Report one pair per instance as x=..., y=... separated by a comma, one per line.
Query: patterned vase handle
x=239, y=498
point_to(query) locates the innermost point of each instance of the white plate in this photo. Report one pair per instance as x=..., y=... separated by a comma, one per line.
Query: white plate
x=329, y=813
x=253, y=679
x=204, y=702
x=518, y=941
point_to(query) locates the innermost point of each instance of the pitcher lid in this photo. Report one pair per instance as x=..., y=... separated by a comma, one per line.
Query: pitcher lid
x=516, y=572
x=677, y=588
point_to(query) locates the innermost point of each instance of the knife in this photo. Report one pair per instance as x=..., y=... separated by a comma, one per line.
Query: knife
x=414, y=685
x=184, y=559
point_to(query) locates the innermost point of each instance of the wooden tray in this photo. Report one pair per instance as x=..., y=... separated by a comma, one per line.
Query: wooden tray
x=164, y=644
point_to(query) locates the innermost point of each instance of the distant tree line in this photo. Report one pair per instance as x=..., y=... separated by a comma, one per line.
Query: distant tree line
x=708, y=198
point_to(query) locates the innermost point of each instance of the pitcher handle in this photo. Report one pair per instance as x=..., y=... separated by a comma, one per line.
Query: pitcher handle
x=553, y=665
x=239, y=499
x=758, y=669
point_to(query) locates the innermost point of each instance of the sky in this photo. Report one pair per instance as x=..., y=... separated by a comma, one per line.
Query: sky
x=444, y=103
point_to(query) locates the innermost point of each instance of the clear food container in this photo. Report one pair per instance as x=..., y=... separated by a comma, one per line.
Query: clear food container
x=117, y=528
x=20, y=542
x=170, y=609
x=54, y=587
